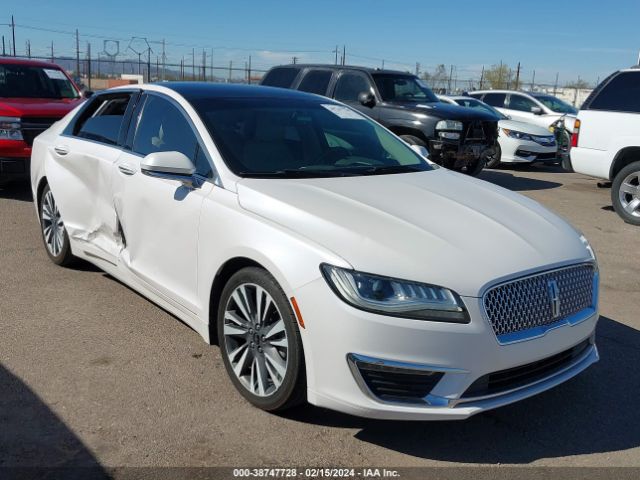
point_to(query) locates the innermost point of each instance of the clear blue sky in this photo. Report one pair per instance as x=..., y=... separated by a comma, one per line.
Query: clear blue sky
x=585, y=38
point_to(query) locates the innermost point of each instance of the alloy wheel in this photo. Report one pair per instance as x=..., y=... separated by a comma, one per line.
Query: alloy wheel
x=629, y=194
x=52, y=226
x=256, y=342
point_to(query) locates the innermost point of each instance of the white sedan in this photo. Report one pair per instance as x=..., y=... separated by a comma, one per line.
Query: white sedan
x=518, y=142
x=330, y=261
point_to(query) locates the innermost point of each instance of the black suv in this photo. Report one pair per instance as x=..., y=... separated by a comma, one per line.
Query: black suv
x=456, y=137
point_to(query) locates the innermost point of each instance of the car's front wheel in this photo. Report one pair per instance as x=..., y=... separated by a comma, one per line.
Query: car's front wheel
x=260, y=341
x=54, y=234
x=493, y=160
x=625, y=193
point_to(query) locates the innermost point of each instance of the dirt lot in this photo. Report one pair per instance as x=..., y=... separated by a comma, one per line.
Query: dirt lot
x=93, y=374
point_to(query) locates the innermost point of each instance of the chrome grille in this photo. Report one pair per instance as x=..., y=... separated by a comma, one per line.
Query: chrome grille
x=527, y=303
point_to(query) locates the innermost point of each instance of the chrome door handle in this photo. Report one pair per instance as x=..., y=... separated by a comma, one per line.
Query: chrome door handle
x=61, y=149
x=126, y=169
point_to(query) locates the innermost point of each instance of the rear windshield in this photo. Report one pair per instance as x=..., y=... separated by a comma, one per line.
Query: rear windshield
x=25, y=81
x=285, y=138
x=280, y=77
x=621, y=94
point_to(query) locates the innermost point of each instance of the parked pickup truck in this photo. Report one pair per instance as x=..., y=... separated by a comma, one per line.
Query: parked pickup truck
x=455, y=137
x=33, y=95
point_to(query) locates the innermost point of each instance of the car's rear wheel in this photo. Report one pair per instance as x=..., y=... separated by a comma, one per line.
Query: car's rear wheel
x=493, y=161
x=260, y=341
x=54, y=234
x=625, y=193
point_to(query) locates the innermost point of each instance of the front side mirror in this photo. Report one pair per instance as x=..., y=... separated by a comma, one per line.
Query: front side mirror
x=87, y=94
x=420, y=150
x=536, y=110
x=170, y=165
x=367, y=99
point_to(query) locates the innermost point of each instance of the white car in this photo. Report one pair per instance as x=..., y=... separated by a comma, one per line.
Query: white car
x=538, y=108
x=327, y=258
x=606, y=140
x=518, y=142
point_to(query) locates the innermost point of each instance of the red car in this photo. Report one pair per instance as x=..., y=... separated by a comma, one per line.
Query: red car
x=33, y=95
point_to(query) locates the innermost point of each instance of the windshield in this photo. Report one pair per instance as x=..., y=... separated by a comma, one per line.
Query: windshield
x=555, y=104
x=25, y=81
x=478, y=105
x=403, y=88
x=293, y=138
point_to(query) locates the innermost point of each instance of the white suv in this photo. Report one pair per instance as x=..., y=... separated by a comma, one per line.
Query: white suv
x=606, y=140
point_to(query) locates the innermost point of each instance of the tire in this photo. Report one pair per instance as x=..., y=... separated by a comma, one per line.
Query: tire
x=413, y=140
x=474, y=169
x=494, y=160
x=54, y=234
x=270, y=366
x=625, y=193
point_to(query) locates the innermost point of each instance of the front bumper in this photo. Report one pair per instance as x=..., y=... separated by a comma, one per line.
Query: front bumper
x=461, y=353
x=526, y=151
x=17, y=168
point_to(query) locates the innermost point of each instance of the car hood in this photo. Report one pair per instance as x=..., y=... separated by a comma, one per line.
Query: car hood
x=37, y=107
x=524, y=127
x=437, y=227
x=444, y=111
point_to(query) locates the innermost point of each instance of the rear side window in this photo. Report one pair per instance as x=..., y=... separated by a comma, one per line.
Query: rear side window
x=280, y=77
x=103, y=120
x=521, y=103
x=621, y=94
x=315, y=81
x=495, y=99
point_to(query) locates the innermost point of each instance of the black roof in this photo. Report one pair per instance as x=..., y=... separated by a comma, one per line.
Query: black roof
x=330, y=66
x=197, y=90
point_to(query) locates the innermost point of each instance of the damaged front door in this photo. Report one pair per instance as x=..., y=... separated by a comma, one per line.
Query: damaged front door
x=160, y=215
x=85, y=154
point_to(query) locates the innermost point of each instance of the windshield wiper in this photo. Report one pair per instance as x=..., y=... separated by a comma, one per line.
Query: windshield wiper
x=295, y=173
x=375, y=170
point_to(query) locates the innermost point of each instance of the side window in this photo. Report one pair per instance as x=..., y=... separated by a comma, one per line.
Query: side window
x=103, y=119
x=316, y=81
x=161, y=127
x=349, y=86
x=495, y=99
x=280, y=77
x=621, y=94
x=521, y=103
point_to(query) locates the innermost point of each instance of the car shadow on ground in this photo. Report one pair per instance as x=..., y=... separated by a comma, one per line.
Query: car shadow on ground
x=596, y=412
x=34, y=440
x=516, y=183
x=17, y=191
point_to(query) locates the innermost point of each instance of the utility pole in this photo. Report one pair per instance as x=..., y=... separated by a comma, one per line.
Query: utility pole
x=164, y=59
x=518, y=77
x=28, y=48
x=533, y=80
x=193, y=64
x=52, y=56
x=77, y=54
x=336, y=52
x=249, y=72
x=211, y=63
x=230, y=70
x=13, y=35
x=4, y=52
x=383, y=64
x=555, y=85
x=450, y=78
x=204, y=65
x=482, y=77
x=182, y=68
x=149, y=64
x=417, y=69
x=344, y=54
x=89, y=65
x=294, y=60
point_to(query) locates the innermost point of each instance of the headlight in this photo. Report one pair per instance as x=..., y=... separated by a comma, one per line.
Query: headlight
x=516, y=134
x=394, y=297
x=449, y=125
x=10, y=128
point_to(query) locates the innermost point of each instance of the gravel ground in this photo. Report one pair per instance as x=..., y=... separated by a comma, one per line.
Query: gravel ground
x=93, y=374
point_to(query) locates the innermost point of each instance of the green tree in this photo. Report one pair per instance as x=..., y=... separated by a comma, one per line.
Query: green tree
x=498, y=76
